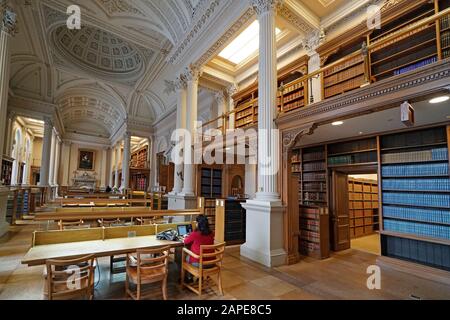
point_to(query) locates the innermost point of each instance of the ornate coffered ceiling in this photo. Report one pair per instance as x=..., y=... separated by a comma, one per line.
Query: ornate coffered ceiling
x=99, y=51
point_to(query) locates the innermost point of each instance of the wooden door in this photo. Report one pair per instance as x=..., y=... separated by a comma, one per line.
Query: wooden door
x=340, y=219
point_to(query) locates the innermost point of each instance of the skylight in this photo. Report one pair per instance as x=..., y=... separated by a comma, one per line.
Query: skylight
x=244, y=45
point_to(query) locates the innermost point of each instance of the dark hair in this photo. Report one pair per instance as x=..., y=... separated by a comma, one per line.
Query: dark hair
x=203, y=225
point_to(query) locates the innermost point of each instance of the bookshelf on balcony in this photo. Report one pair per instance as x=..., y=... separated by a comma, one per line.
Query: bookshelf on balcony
x=416, y=193
x=347, y=75
x=444, y=30
x=407, y=52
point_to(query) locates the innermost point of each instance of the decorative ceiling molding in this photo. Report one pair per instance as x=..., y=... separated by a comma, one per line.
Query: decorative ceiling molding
x=208, y=9
x=117, y=7
x=228, y=36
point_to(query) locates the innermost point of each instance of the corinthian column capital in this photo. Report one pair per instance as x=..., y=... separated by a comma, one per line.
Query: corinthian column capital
x=193, y=73
x=263, y=6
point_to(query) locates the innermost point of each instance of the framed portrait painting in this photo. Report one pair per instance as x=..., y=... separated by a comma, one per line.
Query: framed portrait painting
x=86, y=160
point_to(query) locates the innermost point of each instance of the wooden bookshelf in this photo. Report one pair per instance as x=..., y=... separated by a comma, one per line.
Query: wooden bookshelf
x=139, y=179
x=363, y=207
x=230, y=221
x=412, y=162
x=314, y=232
x=7, y=165
x=359, y=152
x=139, y=158
x=310, y=165
x=443, y=30
x=292, y=94
x=210, y=187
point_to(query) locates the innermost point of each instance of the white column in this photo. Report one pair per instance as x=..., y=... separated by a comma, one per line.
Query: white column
x=153, y=163
x=192, y=77
x=9, y=132
x=221, y=107
x=46, y=152
x=7, y=26
x=126, y=161
x=314, y=84
x=52, y=159
x=116, y=168
x=109, y=167
x=104, y=168
x=231, y=90
x=264, y=227
x=65, y=161
x=57, y=161
x=181, y=124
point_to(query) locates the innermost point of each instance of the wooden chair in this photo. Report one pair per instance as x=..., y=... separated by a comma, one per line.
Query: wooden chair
x=150, y=266
x=113, y=259
x=210, y=263
x=63, y=283
x=109, y=223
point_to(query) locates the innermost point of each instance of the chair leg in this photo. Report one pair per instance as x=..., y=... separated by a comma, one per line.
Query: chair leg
x=182, y=276
x=127, y=285
x=219, y=278
x=200, y=282
x=138, y=291
x=164, y=288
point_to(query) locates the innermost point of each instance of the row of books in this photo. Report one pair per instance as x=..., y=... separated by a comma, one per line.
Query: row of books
x=295, y=157
x=365, y=157
x=427, y=230
x=314, y=176
x=417, y=184
x=309, y=235
x=244, y=121
x=244, y=113
x=293, y=87
x=445, y=39
x=345, y=86
x=445, y=22
x=296, y=168
x=361, y=196
x=309, y=226
x=446, y=53
x=416, y=65
x=311, y=156
x=308, y=246
x=344, y=75
x=315, y=186
x=295, y=95
x=418, y=214
x=313, y=196
x=416, y=156
x=415, y=138
x=344, y=65
x=314, y=166
x=311, y=216
x=352, y=146
x=429, y=169
x=293, y=105
x=417, y=199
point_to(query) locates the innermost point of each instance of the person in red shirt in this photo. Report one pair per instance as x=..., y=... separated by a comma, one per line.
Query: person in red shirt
x=201, y=236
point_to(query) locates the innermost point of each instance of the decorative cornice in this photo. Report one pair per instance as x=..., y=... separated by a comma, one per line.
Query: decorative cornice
x=293, y=19
x=9, y=21
x=291, y=137
x=220, y=44
x=208, y=12
x=264, y=6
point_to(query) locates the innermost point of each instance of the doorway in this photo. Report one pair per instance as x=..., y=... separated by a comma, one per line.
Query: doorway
x=354, y=214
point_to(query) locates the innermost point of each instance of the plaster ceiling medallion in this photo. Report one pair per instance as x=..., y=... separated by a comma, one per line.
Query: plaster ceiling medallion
x=100, y=52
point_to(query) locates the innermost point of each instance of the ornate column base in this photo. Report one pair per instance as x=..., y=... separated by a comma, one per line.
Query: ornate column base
x=264, y=233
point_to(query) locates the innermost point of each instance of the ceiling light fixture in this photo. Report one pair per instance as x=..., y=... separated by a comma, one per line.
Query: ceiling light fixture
x=439, y=99
x=338, y=123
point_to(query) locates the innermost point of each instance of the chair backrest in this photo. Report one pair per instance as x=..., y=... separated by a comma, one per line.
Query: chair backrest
x=153, y=259
x=69, y=278
x=212, y=255
x=125, y=231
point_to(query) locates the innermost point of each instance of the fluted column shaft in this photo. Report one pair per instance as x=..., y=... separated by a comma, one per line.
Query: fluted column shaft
x=268, y=144
x=126, y=161
x=192, y=77
x=181, y=124
x=116, y=167
x=46, y=152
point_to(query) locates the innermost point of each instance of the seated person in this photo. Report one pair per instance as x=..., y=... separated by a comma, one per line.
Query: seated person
x=108, y=189
x=201, y=236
